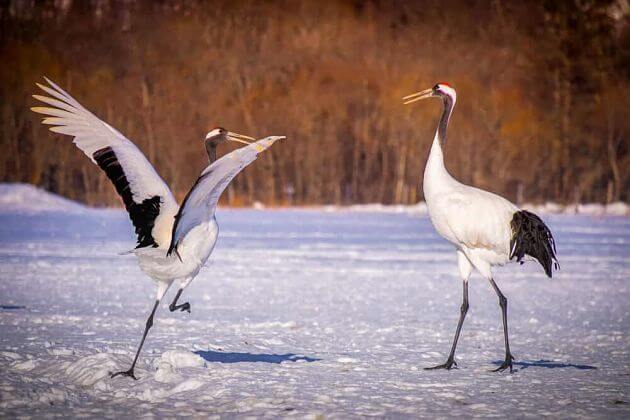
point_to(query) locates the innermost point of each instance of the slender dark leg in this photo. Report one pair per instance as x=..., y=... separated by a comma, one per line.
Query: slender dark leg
x=503, y=303
x=174, y=306
x=451, y=358
x=144, y=336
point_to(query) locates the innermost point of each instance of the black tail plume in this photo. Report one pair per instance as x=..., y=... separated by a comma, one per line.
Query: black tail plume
x=530, y=236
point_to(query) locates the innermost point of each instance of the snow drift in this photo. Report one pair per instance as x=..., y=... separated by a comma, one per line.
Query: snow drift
x=16, y=197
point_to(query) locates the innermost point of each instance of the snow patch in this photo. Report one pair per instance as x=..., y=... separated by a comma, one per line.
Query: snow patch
x=182, y=359
x=26, y=198
x=618, y=209
x=274, y=324
x=25, y=366
x=172, y=360
x=418, y=209
x=10, y=355
x=158, y=395
x=590, y=209
x=347, y=360
x=90, y=370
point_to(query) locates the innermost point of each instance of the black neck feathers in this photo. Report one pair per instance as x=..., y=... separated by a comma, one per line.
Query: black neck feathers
x=211, y=149
x=444, y=119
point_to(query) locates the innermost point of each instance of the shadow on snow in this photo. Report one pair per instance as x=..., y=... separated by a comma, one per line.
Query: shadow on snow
x=221, y=357
x=550, y=364
x=11, y=307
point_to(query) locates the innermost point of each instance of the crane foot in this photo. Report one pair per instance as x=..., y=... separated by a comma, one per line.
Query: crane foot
x=183, y=307
x=128, y=373
x=506, y=364
x=450, y=363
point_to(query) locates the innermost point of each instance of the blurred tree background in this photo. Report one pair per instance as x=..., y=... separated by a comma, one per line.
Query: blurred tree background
x=542, y=108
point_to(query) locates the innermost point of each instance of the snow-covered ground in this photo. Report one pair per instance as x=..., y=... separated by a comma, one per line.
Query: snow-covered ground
x=306, y=312
x=420, y=209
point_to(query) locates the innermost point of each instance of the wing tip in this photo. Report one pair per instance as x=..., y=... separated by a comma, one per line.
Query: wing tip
x=51, y=83
x=43, y=86
x=41, y=109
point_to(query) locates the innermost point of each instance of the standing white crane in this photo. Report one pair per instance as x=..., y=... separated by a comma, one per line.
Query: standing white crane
x=486, y=229
x=174, y=242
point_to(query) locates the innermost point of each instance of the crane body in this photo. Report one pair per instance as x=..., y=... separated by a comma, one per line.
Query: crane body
x=486, y=229
x=173, y=242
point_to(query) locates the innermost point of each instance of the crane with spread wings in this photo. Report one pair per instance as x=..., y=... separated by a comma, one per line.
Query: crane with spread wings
x=173, y=242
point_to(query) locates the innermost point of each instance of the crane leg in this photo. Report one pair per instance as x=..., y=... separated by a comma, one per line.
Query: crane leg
x=450, y=362
x=503, y=303
x=174, y=306
x=162, y=288
x=147, y=327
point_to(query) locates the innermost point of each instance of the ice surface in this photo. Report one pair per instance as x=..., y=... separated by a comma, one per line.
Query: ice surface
x=304, y=313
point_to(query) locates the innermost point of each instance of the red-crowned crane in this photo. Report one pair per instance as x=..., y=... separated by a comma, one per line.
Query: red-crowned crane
x=486, y=229
x=174, y=242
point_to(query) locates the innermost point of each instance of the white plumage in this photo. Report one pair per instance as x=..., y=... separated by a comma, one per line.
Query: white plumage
x=486, y=229
x=173, y=243
x=200, y=204
x=92, y=134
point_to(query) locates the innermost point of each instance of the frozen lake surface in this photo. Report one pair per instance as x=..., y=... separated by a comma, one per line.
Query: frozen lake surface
x=305, y=313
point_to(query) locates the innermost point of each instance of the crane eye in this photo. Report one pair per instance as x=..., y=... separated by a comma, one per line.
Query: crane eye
x=436, y=87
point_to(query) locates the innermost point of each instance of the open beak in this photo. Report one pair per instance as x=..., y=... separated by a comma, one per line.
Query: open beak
x=240, y=138
x=417, y=96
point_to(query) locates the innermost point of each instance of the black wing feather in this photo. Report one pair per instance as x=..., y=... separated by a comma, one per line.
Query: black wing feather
x=142, y=214
x=530, y=236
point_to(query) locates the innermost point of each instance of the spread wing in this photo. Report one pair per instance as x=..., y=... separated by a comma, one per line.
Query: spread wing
x=147, y=198
x=201, y=201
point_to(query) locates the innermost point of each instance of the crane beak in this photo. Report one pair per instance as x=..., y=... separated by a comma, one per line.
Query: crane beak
x=239, y=138
x=418, y=96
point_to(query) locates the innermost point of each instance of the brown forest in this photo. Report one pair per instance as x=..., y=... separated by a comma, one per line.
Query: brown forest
x=542, y=112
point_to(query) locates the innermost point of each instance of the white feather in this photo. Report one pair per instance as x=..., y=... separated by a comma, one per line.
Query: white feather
x=475, y=221
x=91, y=134
x=201, y=202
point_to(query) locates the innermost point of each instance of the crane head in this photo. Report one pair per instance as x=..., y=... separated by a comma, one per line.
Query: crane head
x=441, y=90
x=220, y=135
